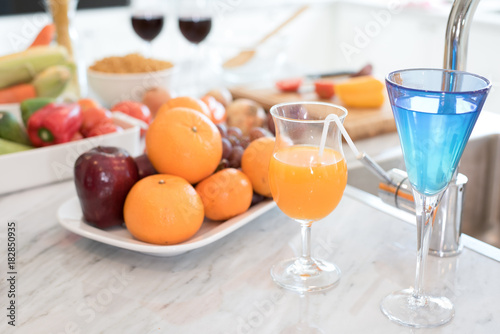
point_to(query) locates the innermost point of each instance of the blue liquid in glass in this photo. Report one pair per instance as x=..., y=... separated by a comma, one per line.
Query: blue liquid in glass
x=433, y=140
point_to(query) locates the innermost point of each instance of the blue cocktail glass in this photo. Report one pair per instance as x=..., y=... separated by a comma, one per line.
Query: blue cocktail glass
x=435, y=111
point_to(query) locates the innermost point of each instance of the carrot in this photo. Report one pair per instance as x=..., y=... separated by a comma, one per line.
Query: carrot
x=45, y=36
x=17, y=93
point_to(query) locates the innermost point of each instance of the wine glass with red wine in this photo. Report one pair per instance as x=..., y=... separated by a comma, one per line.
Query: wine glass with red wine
x=195, y=28
x=147, y=21
x=195, y=23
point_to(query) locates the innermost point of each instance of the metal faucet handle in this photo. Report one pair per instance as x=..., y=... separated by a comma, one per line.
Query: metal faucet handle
x=375, y=168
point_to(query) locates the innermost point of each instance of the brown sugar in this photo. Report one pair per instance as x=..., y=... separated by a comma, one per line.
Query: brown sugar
x=132, y=63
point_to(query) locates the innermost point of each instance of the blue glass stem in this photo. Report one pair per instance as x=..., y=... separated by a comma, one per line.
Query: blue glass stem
x=425, y=209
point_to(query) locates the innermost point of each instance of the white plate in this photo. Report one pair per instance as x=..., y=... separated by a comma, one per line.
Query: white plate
x=70, y=217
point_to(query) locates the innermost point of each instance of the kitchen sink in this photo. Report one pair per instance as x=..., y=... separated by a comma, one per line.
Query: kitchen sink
x=480, y=163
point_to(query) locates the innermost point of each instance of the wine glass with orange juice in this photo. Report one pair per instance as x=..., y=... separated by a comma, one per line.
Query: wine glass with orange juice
x=307, y=183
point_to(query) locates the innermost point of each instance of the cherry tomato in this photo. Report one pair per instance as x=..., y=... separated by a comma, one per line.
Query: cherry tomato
x=289, y=85
x=103, y=128
x=93, y=116
x=324, y=88
x=135, y=109
x=86, y=103
x=77, y=136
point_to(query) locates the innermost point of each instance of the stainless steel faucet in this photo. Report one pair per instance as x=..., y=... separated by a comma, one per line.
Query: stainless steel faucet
x=445, y=239
x=457, y=34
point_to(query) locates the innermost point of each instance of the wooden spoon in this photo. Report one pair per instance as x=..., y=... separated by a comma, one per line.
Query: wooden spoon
x=244, y=56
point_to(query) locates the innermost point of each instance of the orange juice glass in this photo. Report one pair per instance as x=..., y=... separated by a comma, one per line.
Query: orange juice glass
x=307, y=182
x=306, y=187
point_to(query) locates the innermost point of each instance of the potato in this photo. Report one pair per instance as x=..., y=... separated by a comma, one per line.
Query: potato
x=246, y=115
x=155, y=98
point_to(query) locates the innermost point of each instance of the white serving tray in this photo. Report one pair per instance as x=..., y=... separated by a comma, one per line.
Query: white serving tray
x=70, y=217
x=39, y=166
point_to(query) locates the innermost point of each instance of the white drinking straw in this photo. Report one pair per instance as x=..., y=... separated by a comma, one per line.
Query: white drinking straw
x=336, y=119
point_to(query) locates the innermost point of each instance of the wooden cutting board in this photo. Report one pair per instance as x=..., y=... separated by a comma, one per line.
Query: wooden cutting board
x=359, y=123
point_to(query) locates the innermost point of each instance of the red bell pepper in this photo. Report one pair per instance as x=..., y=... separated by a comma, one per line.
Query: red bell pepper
x=55, y=123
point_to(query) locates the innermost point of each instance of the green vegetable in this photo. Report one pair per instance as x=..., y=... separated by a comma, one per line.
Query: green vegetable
x=11, y=130
x=29, y=106
x=7, y=146
x=52, y=81
x=23, y=66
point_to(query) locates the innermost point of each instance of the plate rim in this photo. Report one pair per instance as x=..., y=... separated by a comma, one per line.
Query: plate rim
x=82, y=228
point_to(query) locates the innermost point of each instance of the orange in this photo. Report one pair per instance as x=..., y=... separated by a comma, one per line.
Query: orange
x=225, y=194
x=163, y=210
x=186, y=102
x=185, y=143
x=255, y=164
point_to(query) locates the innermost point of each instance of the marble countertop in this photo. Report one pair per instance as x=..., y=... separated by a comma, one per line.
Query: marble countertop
x=69, y=284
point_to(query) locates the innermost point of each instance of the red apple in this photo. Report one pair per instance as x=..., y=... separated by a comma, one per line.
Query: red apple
x=144, y=166
x=103, y=178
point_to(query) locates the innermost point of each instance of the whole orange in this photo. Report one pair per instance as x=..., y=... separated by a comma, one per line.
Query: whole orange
x=163, y=209
x=255, y=164
x=185, y=143
x=225, y=194
x=186, y=102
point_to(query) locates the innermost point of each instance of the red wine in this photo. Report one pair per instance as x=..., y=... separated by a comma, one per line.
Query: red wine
x=147, y=26
x=195, y=29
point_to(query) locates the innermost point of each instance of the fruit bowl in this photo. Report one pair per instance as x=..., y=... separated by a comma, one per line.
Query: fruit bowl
x=111, y=88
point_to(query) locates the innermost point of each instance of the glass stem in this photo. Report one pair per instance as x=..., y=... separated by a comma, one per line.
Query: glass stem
x=197, y=70
x=425, y=208
x=149, y=49
x=306, y=241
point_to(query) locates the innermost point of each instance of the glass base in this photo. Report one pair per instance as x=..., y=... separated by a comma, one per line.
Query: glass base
x=424, y=312
x=302, y=275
